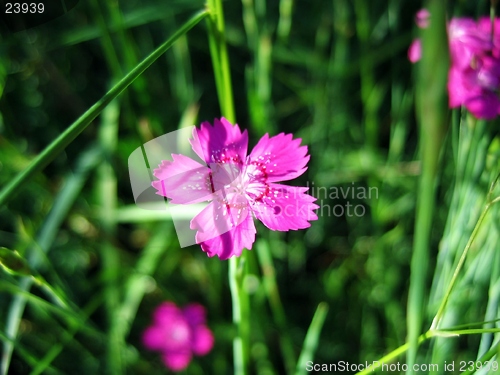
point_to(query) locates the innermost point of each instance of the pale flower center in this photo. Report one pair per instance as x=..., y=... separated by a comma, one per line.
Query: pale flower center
x=179, y=333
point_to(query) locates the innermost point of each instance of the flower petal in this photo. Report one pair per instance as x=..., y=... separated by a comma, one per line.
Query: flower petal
x=484, y=28
x=225, y=213
x=194, y=314
x=177, y=360
x=458, y=93
x=282, y=158
x=285, y=208
x=203, y=340
x=466, y=41
x=153, y=338
x=415, y=51
x=223, y=174
x=230, y=243
x=183, y=180
x=165, y=313
x=221, y=142
x=485, y=106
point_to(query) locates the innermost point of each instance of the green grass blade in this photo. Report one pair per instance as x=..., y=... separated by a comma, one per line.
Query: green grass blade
x=13, y=262
x=312, y=338
x=273, y=296
x=48, y=232
x=25, y=355
x=285, y=21
x=61, y=142
x=139, y=281
x=106, y=189
x=71, y=316
x=139, y=16
x=44, y=363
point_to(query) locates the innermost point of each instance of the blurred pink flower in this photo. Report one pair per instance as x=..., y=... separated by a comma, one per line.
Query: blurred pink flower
x=178, y=334
x=422, y=19
x=474, y=75
x=238, y=186
x=415, y=51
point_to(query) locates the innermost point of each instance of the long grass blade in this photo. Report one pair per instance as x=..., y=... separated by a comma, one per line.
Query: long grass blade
x=312, y=338
x=61, y=142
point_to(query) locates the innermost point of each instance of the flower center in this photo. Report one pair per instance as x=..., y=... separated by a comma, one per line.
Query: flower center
x=238, y=185
x=256, y=178
x=179, y=333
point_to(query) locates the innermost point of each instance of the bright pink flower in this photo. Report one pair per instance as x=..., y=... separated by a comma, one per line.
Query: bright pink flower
x=474, y=75
x=467, y=41
x=178, y=334
x=239, y=187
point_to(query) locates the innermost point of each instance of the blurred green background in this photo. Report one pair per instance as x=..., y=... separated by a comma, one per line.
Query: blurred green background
x=334, y=73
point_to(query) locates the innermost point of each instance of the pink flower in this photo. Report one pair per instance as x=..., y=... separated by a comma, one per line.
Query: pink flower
x=474, y=75
x=239, y=186
x=178, y=334
x=422, y=19
x=415, y=51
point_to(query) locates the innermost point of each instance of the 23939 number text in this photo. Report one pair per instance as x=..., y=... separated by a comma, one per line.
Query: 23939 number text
x=17, y=8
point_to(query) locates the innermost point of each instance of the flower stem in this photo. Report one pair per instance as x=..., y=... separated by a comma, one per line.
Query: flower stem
x=237, y=265
x=432, y=116
x=220, y=60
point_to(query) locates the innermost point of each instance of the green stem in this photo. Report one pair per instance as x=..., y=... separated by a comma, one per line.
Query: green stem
x=237, y=266
x=106, y=189
x=241, y=314
x=220, y=60
x=389, y=358
x=224, y=60
x=214, y=54
x=392, y=355
x=61, y=142
x=432, y=111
